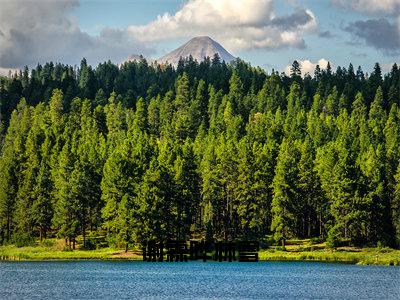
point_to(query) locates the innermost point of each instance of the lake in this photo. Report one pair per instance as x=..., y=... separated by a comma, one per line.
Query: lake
x=125, y=279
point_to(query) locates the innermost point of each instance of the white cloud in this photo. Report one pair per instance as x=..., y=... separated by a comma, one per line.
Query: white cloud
x=308, y=67
x=245, y=24
x=387, y=67
x=371, y=7
x=39, y=31
x=6, y=71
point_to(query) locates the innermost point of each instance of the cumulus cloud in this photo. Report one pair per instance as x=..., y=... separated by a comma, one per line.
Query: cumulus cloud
x=371, y=7
x=246, y=24
x=382, y=32
x=378, y=33
x=39, y=31
x=308, y=67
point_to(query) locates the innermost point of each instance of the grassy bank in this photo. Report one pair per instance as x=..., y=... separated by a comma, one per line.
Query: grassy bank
x=297, y=251
x=305, y=250
x=53, y=249
x=44, y=253
x=371, y=256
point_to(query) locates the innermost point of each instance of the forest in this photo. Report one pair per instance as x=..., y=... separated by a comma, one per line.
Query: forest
x=204, y=150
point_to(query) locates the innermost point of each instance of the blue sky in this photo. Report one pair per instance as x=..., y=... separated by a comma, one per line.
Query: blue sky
x=267, y=33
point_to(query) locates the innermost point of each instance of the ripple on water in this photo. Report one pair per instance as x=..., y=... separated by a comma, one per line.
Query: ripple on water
x=105, y=279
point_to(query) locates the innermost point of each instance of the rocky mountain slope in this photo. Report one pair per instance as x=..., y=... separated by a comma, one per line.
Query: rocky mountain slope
x=199, y=47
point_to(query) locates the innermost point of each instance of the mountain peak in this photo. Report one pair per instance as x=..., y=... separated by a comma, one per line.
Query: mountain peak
x=198, y=47
x=202, y=38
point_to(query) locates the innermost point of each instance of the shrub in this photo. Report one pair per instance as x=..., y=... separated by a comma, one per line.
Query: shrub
x=316, y=240
x=67, y=249
x=90, y=243
x=280, y=248
x=23, y=240
x=48, y=243
x=332, y=240
x=267, y=241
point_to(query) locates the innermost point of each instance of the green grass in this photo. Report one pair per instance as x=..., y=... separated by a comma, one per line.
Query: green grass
x=299, y=250
x=55, y=250
x=304, y=250
x=44, y=253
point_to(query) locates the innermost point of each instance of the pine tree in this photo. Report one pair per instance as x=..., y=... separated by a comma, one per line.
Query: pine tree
x=122, y=174
x=87, y=82
x=236, y=94
x=100, y=98
x=377, y=118
x=157, y=204
x=295, y=71
x=42, y=208
x=252, y=191
x=200, y=105
x=65, y=208
x=182, y=121
x=91, y=152
x=140, y=120
x=332, y=103
x=30, y=168
x=187, y=189
x=212, y=191
x=285, y=192
x=314, y=206
x=10, y=163
x=395, y=209
x=153, y=116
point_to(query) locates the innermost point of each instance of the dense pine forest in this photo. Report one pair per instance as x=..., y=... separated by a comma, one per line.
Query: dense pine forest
x=204, y=150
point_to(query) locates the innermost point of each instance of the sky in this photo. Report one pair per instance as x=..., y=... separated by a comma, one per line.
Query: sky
x=266, y=33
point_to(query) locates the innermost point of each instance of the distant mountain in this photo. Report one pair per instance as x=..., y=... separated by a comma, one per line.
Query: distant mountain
x=135, y=57
x=138, y=58
x=199, y=47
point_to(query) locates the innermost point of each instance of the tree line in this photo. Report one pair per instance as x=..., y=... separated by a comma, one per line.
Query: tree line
x=204, y=150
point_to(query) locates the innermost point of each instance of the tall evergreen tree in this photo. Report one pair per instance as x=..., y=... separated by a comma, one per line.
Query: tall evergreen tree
x=285, y=192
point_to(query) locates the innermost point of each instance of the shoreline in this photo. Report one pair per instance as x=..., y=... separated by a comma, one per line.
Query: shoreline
x=370, y=256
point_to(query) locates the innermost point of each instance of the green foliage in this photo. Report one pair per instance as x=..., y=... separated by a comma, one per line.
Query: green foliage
x=22, y=240
x=285, y=192
x=332, y=240
x=207, y=150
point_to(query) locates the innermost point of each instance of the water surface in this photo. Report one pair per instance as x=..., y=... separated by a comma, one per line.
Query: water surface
x=272, y=280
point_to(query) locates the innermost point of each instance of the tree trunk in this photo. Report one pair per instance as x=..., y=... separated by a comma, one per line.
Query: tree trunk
x=227, y=217
x=84, y=237
x=320, y=224
x=8, y=228
x=126, y=247
x=178, y=233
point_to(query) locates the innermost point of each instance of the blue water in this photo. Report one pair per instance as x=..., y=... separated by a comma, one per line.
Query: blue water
x=99, y=279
